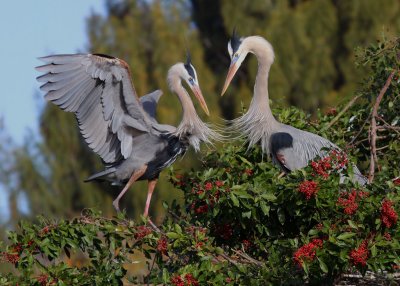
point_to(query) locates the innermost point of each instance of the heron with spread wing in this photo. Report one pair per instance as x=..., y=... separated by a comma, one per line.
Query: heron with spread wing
x=288, y=147
x=118, y=125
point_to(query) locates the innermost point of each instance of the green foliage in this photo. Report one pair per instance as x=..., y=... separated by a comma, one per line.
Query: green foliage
x=241, y=224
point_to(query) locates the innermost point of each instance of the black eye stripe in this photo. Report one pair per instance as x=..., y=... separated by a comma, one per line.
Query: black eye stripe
x=235, y=41
x=235, y=44
x=190, y=70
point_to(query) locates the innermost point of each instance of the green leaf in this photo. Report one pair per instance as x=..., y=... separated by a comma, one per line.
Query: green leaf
x=246, y=214
x=265, y=209
x=346, y=235
x=352, y=224
x=172, y=235
x=373, y=250
x=178, y=228
x=234, y=200
x=244, y=160
x=281, y=216
x=269, y=197
x=322, y=265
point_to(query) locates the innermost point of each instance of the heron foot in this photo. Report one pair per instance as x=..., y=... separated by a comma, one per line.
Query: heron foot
x=116, y=205
x=282, y=174
x=153, y=225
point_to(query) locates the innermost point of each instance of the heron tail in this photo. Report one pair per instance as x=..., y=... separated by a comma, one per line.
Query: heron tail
x=101, y=176
x=358, y=177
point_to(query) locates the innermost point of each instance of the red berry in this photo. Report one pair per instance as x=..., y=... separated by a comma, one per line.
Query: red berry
x=162, y=245
x=388, y=214
x=307, y=251
x=359, y=256
x=308, y=188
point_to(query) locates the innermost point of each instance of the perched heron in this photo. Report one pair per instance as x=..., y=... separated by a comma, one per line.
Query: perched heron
x=288, y=147
x=118, y=125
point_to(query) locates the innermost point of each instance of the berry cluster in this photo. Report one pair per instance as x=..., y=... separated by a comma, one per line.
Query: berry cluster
x=188, y=280
x=307, y=251
x=210, y=191
x=336, y=160
x=10, y=257
x=247, y=244
x=388, y=214
x=162, y=245
x=349, y=201
x=308, y=188
x=223, y=231
x=198, y=233
x=359, y=256
x=43, y=280
x=142, y=231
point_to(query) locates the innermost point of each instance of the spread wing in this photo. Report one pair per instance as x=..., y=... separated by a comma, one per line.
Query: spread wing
x=149, y=102
x=98, y=89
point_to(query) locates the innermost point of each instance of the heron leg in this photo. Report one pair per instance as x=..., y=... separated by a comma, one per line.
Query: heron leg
x=282, y=174
x=136, y=175
x=151, y=186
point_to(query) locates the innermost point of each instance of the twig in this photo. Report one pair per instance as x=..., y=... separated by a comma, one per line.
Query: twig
x=174, y=215
x=227, y=257
x=385, y=127
x=156, y=229
x=372, y=133
x=247, y=257
x=382, y=148
x=359, y=132
x=343, y=111
x=151, y=269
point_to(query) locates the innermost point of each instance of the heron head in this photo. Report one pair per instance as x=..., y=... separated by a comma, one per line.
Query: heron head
x=238, y=53
x=190, y=77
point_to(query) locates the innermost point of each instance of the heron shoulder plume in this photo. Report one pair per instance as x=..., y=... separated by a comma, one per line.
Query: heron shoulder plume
x=191, y=125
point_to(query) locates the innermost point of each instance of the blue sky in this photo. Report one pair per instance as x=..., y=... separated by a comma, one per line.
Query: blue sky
x=30, y=29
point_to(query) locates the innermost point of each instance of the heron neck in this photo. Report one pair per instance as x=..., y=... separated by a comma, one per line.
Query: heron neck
x=188, y=110
x=260, y=100
x=191, y=127
x=258, y=123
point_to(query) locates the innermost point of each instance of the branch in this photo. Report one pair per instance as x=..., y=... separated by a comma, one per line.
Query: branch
x=343, y=111
x=372, y=132
x=247, y=257
x=385, y=127
x=359, y=132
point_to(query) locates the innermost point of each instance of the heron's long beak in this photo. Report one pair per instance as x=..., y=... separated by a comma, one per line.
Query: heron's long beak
x=231, y=73
x=197, y=92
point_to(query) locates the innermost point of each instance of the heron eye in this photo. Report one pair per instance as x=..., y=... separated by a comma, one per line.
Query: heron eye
x=191, y=80
x=236, y=55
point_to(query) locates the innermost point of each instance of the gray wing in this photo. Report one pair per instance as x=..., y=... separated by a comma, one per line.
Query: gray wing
x=98, y=89
x=293, y=148
x=149, y=102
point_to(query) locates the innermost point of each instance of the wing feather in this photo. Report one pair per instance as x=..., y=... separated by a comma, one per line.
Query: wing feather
x=99, y=90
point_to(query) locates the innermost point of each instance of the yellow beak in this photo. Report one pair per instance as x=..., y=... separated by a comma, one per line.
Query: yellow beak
x=231, y=73
x=197, y=92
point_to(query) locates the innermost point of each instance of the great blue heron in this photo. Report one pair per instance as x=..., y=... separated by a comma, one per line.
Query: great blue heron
x=116, y=124
x=289, y=147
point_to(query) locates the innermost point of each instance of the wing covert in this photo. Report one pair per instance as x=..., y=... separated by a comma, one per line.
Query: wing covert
x=99, y=90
